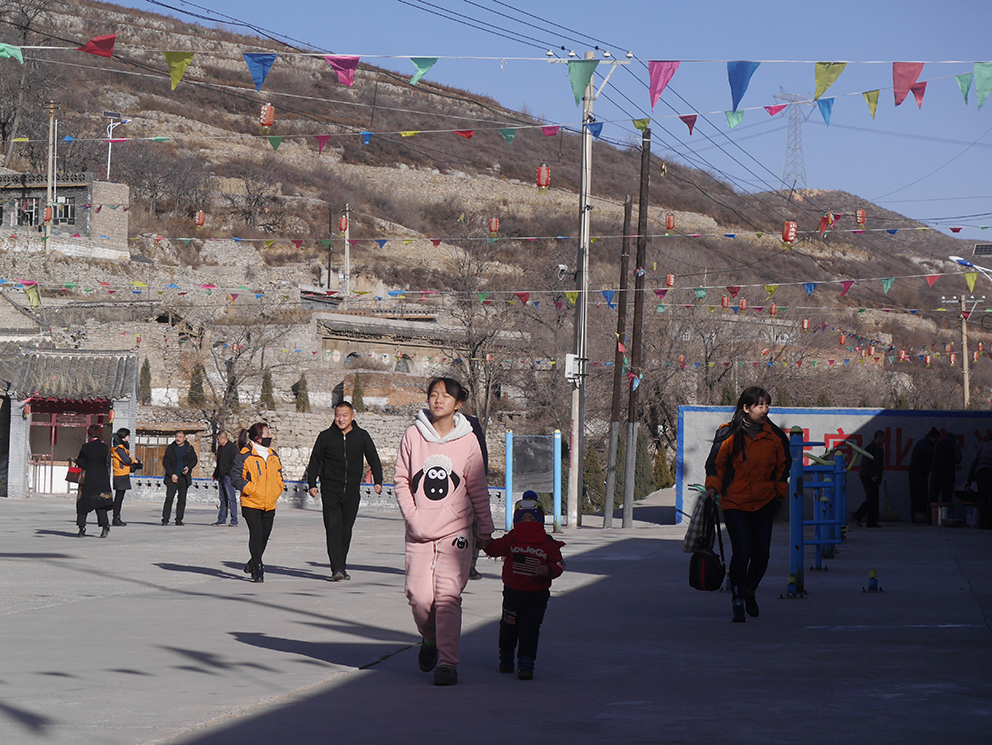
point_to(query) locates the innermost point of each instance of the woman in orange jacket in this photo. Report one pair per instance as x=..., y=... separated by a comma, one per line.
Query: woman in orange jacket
x=257, y=474
x=747, y=472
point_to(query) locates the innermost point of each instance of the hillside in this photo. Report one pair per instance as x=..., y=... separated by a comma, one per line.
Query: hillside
x=420, y=204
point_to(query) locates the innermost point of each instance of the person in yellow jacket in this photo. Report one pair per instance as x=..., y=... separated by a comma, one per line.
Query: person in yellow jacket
x=124, y=465
x=257, y=474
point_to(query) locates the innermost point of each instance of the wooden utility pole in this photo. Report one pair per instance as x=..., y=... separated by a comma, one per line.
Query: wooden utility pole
x=611, y=462
x=635, y=352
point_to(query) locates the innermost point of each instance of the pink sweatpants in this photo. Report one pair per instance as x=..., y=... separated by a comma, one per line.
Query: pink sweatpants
x=436, y=573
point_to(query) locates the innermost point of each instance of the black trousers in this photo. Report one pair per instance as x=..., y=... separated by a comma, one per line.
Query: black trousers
x=751, y=538
x=340, y=512
x=520, y=626
x=171, y=490
x=259, y=528
x=118, y=502
x=869, y=508
x=101, y=517
x=918, y=494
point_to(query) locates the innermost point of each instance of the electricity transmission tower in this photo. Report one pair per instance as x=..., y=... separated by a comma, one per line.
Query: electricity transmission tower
x=794, y=170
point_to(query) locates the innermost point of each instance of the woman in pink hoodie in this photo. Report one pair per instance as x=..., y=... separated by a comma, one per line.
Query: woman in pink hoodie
x=440, y=486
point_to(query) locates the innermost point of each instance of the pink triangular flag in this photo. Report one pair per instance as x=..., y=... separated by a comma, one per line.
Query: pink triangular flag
x=466, y=133
x=904, y=75
x=549, y=131
x=101, y=46
x=773, y=110
x=918, y=90
x=661, y=73
x=931, y=278
x=846, y=284
x=661, y=293
x=321, y=141
x=690, y=121
x=344, y=66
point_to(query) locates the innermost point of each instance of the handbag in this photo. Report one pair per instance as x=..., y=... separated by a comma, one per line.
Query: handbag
x=75, y=474
x=706, y=569
x=102, y=501
x=696, y=535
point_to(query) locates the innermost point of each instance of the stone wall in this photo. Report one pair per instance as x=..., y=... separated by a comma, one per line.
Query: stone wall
x=109, y=215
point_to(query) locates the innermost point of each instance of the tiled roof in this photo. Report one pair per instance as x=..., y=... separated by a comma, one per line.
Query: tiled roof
x=68, y=374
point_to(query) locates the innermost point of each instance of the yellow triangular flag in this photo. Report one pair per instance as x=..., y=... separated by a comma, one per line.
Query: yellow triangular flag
x=572, y=296
x=970, y=278
x=826, y=74
x=268, y=243
x=410, y=133
x=178, y=62
x=872, y=98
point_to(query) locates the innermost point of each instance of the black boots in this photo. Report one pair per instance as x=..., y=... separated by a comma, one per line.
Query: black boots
x=750, y=604
x=258, y=572
x=105, y=532
x=81, y=533
x=738, y=605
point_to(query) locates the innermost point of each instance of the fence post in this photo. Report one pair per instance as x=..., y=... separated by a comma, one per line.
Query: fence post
x=796, y=512
x=840, y=477
x=557, y=464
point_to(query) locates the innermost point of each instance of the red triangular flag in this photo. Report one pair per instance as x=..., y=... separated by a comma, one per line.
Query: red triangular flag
x=904, y=76
x=690, y=121
x=955, y=230
x=773, y=110
x=918, y=90
x=297, y=242
x=846, y=284
x=966, y=314
x=524, y=296
x=321, y=141
x=733, y=290
x=466, y=133
x=102, y=46
x=436, y=242
x=931, y=278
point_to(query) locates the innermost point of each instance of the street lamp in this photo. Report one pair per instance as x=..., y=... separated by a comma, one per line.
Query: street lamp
x=110, y=133
x=964, y=262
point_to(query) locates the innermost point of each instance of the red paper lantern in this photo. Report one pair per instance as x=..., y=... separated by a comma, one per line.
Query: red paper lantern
x=343, y=224
x=48, y=214
x=670, y=222
x=267, y=117
x=543, y=176
x=725, y=301
x=789, y=231
x=669, y=280
x=773, y=310
x=493, y=225
x=974, y=356
x=954, y=358
x=682, y=359
x=947, y=348
x=864, y=353
x=981, y=347
x=928, y=359
x=743, y=304
x=871, y=351
x=902, y=355
x=201, y=218
x=805, y=324
x=842, y=340
x=859, y=216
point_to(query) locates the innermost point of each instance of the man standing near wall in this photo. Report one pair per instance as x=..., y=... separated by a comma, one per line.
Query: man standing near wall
x=179, y=461
x=226, y=450
x=337, y=459
x=920, y=463
x=871, y=479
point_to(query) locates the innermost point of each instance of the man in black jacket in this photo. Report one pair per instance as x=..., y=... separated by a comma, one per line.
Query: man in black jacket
x=226, y=450
x=871, y=479
x=179, y=461
x=337, y=459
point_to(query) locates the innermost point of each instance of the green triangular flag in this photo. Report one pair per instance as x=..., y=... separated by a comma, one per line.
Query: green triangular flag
x=326, y=242
x=826, y=74
x=9, y=51
x=661, y=308
x=734, y=118
x=887, y=284
x=507, y=134
x=964, y=83
x=482, y=296
x=579, y=74
x=158, y=139
x=275, y=142
x=872, y=98
x=185, y=241
x=700, y=292
x=983, y=81
x=178, y=62
x=423, y=64
x=641, y=124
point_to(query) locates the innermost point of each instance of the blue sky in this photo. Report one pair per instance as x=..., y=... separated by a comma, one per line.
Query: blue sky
x=931, y=164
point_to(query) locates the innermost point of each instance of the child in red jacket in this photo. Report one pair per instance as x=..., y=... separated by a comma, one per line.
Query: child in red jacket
x=533, y=559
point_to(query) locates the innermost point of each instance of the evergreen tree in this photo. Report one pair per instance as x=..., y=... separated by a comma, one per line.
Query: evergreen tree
x=727, y=396
x=593, y=483
x=196, y=397
x=145, y=382
x=267, y=397
x=643, y=467
x=302, y=395
x=357, y=399
x=663, y=475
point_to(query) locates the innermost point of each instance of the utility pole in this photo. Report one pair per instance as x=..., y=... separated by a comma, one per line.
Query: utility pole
x=50, y=198
x=611, y=462
x=330, y=242
x=347, y=250
x=635, y=352
x=964, y=352
x=577, y=444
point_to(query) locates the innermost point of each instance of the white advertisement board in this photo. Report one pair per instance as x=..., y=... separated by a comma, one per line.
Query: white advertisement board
x=834, y=427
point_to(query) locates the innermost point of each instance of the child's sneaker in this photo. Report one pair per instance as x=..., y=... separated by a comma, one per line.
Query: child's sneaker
x=445, y=675
x=506, y=665
x=525, y=669
x=427, y=656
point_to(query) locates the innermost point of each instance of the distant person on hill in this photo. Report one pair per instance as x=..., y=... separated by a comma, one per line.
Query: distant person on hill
x=338, y=460
x=920, y=463
x=871, y=479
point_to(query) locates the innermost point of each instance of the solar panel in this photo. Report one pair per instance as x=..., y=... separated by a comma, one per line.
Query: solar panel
x=983, y=249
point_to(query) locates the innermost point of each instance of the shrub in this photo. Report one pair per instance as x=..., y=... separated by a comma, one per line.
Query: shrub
x=195, y=396
x=357, y=394
x=302, y=395
x=145, y=383
x=593, y=486
x=267, y=397
x=664, y=475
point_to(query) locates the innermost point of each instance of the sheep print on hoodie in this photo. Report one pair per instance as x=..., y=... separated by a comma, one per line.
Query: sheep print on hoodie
x=440, y=487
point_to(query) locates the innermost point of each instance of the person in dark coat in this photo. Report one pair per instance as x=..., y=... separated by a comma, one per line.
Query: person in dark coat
x=946, y=457
x=871, y=479
x=226, y=452
x=123, y=466
x=337, y=460
x=94, y=492
x=920, y=463
x=179, y=461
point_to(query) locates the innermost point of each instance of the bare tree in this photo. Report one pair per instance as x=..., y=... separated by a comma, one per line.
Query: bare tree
x=260, y=189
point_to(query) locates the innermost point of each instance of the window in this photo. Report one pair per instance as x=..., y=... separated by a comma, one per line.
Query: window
x=65, y=210
x=28, y=212
x=352, y=360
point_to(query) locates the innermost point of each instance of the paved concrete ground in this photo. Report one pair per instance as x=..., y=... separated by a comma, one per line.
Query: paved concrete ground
x=154, y=635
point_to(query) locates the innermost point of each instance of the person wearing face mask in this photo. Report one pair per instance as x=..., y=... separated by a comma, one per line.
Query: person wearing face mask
x=747, y=473
x=440, y=485
x=257, y=474
x=337, y=459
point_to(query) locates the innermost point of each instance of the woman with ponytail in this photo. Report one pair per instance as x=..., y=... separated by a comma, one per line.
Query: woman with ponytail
x=747, y=472
x=257, y=474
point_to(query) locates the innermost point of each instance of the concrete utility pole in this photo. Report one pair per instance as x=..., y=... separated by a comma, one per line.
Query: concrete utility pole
x=635, y=352
x=611, y=461
x=965, y=362
x=50, y=198
x=330, y=242
x=347, y=250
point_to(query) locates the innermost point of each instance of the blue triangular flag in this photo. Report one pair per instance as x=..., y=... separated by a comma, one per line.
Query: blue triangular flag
x=608, y=294
x=381, y=242
x=259, y=66
x=826, y=106
x=367, y=137
x=739, y=74
x=809, y=287
x=596, y=129
x=891, y=232
x=67, y=138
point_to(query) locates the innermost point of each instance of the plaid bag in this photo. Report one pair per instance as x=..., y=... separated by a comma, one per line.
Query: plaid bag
x=701, y=532
x=706, y=569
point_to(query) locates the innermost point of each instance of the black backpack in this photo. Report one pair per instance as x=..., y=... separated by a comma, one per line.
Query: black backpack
x=706, y=569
